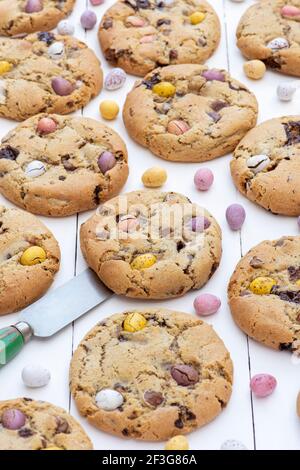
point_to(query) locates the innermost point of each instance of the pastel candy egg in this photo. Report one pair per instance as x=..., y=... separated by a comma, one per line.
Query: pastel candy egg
x=134, y=322
x=184, y=375
x=178, y=127
x=154, y=177
x=135, y=21
x=115, y=79
x=88, y=19
x=35, y=169
x=235, y=215
x=152, y=398
x=298, y=221
x=13, y=419
x=108, y=399
x=203, y=179
x=258, y=163
x=96, y=2
x=206, y=304
x=233, y=444
x=109, y=110
x=143, y=261
x=148, y=39
x=164, y=89
x=254, y=69
x=199, y=223
x=262, y=285
x=197, y=17
x=5, y=67
x=33, y=255
x=290, y=11
x=177, y=443
x=61, y=86
x=262, y=385
x=65, y=28
x=211, y=75
x=286, y=91
x=46, y=125
x=278, y=43
x=128, y=224
x=56, y=50
x=35, y=376
x=33, y=6
x=106, y=161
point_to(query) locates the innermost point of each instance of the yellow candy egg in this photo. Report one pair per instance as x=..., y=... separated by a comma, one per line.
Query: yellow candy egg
x=109, y=109
x=33, y=255
x=143, y=261
x=298, y=282
x=134, y=322
x=197, y=17
x=53, y=448
x=262, y=285
x=164, y=89
x=177, y=443
x=5, y=67
x=154, y=177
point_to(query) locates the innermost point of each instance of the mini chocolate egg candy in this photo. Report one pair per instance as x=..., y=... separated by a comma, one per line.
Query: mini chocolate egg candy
x=109, y=109
x=254, y=69
x=197, y=17
x=12, y=419
x=290, y=11
x=235, y=215
x=56, y=50
x=35, y=376
x=46, y=125
x=262, y=385
x=88, y=19
x=144, y=261
x=128, y=224
x=262, y=285
x=134, y=321
x=33, y=255
x=148, y=38
x=61, y=86
x=278, y=43
x=154, y=177
x=115, y=79
x=203, y=179
x=33, y=6
x=65, y=28
x=108, y=399
x=233, y=444
x=97, y=2
x=206, y=304
x=106, y=161
x=285, y=91
x=258, y=163
x=177, y=443
x=164, y=89
x=35, y=168
x=184, y=375
x=213, y=74
x=135, y=21
x=5, y=67
x=178, y=127
x=199, y=223
x=152, y=398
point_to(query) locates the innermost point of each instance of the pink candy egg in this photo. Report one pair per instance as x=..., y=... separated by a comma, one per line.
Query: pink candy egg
x=206, y=304
x=46, y=126
x=13, y=419
x=263, y=385
x=203, y=179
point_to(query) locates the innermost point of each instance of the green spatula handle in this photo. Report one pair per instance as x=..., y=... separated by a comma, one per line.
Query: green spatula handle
x=12, y=340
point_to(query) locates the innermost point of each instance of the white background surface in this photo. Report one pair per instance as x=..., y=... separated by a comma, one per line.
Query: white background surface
x=269, y=423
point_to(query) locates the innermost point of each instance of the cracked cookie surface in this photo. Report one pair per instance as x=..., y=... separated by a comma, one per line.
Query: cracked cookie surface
x=202, y=120
x=264, y=22
x=270, y=179
x=45, y=426
x=14, y=20
x=21, y=285
x=153, y=245
x=140, y=35
x=140, y=366
x=272, y=315
x=34, y=65
x=71, y=179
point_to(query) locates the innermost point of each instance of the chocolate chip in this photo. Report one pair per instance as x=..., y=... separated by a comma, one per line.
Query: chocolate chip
x=62, y=425
x=9, y=153
x=162, y=21
x=294, y=273
x=48, y=38
x=153, y=398
x=234, y=87
x=173, y=54
x=107, y=23
x=202, y=42
x=184, y=375
x=150, y=82
x=62, y=178
x=218, y=105
x=298, y=318
x=68, y=165
x=285, y=346
x=215, y=116
x=125, y=432
x=179, y=423
x=273, y=63
x=292, y=130
x=143, y=4
x=287, y=295
x=256, y=262
x=25, y=432
x=97, y=192
x=180, y=245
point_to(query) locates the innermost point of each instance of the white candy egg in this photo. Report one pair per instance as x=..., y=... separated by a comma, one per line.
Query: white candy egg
x=35, y=168
x=278, y=43
x=65, y=28
x=108, y=399
x=258, y=163
x=56, y=50
x=35, y=376
x=285, y=91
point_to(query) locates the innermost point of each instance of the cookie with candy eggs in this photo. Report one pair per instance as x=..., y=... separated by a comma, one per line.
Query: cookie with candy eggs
x=28, y=424
x=29, y=259
x=151, y=374
x=266, y=163
x=264, y=293
x=56, y=165
x=28, y=16
x=269, y=31
x=189, y=113
x=140, y=35
x=152, y=244
x=45, y=72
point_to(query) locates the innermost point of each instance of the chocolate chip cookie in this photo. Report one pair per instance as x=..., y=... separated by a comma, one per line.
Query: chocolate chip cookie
x=266, y=163
x=59, y=165
x=27, y=424
x=140, y=35
x=151, y=374
x=45, y=72
x=152, y=245
x=264, y=293
x=29, y=259
x=27, y=16
x=269, y=31
x=189, y=113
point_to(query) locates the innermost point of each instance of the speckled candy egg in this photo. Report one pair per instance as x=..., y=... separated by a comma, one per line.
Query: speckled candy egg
x=46, y=125
x=206, y=304
x=97, y=2
x=235, y=215
x=88, y=19
x=286, y=91
x=65, y=28
x=278, y=43
x=61, y=86
x=203, y=179
x=13, y=419
x=115, y=79
x=35, y=376
x=108, y=399
x=56, y=50
x=33, y=6
x=262, y=385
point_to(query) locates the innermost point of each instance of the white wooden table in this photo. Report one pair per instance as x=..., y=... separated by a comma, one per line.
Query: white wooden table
x=269, y=423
